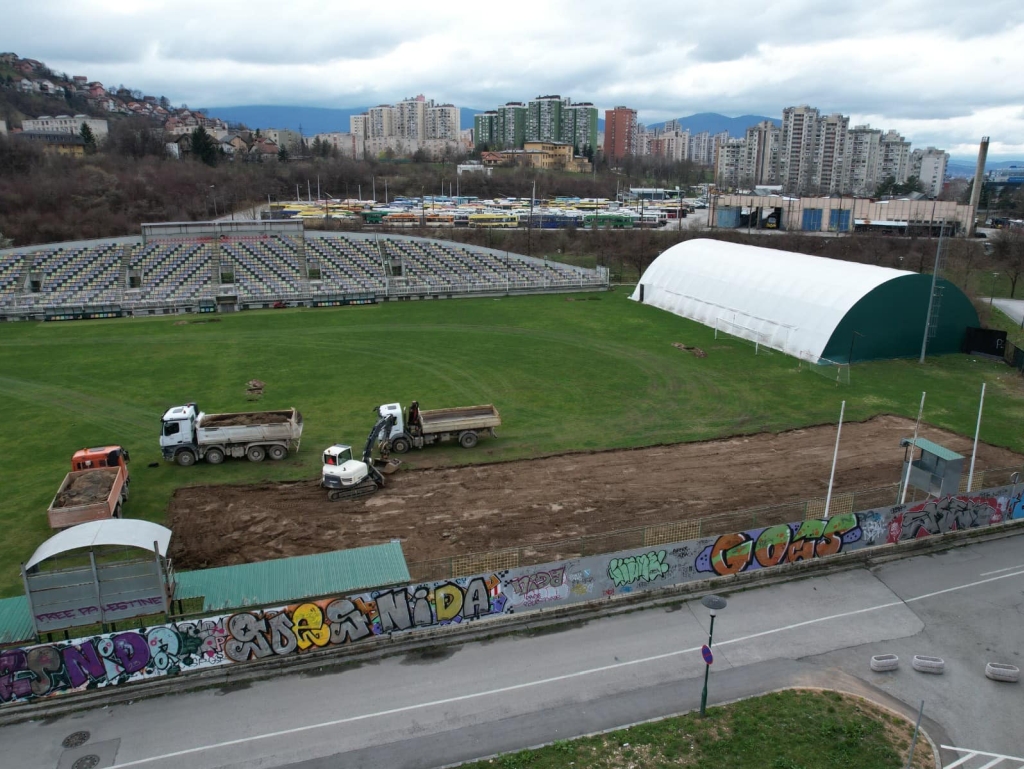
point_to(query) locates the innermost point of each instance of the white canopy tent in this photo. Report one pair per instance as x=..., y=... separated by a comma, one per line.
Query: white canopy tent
x=783, y=300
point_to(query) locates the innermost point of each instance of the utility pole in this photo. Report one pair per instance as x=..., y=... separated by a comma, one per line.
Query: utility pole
x=529, y=224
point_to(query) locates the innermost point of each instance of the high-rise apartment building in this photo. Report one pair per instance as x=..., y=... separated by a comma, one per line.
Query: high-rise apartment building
x=893, y=157
x=381, y=121
x=701, y=148
x=512, y=125
x=442, y=122
x=358, y=125
x=796, y=149
x=579, y=126
x=672, y=145
x=829, y=150
x=411, y=118
x=544, y=118
x=485, y=130
x=620, y=133
x=760, y=162
x=729, y=155
x=501, y=129
x=861, y=161
x=929, y=166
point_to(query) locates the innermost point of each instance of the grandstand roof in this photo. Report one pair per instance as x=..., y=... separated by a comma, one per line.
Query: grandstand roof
x=807, y=306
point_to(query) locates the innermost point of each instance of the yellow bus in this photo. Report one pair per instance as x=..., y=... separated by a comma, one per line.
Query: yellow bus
x=493, y=220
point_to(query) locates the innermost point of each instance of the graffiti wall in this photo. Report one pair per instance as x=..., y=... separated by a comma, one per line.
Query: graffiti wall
x=119, y=658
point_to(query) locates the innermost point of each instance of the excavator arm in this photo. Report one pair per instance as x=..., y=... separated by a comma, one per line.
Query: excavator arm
x=384, y=424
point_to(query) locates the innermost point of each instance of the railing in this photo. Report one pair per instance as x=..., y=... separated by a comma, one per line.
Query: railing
x=655, y=534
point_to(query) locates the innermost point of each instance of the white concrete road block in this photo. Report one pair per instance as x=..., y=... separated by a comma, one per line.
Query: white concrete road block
x=883, y=662
x=925, y=664
x=999, y=672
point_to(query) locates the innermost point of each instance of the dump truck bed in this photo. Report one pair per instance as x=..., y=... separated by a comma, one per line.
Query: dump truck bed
x=86, y=495
x=251, y=427
x=459, y=419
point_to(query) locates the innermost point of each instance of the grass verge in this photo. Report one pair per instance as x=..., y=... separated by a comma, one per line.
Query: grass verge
x=794, y=729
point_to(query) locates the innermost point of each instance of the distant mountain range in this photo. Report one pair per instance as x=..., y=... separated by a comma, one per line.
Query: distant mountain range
x=714, y=123
x=962, y=167
x=314, y=120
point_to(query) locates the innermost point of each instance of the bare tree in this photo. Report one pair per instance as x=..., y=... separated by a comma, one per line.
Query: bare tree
x=1008, y=250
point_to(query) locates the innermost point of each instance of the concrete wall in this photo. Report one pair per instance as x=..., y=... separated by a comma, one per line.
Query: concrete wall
x=117, y=659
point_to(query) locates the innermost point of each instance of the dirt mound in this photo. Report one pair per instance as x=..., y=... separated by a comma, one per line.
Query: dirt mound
x=442, y=512
x=88, y=488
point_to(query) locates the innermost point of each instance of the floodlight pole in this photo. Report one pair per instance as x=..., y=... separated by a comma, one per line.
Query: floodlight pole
x=913, y=448
x=977, y=432
x=835, y=458
x=931, y=296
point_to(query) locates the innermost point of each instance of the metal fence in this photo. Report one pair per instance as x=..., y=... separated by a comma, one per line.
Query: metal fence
x=655, y=534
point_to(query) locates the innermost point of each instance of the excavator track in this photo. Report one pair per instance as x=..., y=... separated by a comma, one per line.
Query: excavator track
x=364, y=489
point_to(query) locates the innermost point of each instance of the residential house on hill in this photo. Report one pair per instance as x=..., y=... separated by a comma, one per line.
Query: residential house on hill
x=263, y=150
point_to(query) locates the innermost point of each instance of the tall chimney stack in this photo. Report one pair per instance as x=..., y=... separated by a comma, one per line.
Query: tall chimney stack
x=979, y=180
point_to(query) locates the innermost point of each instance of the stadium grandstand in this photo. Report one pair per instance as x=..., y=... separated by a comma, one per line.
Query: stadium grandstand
x=226, y=266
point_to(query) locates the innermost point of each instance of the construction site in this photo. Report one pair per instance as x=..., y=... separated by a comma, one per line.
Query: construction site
x=547, y=504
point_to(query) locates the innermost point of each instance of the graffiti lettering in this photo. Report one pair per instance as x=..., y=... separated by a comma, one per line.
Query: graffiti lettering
x=117, y=658
x=939, y=516
x=537, y=580
x=635, y=568
x=785, y=543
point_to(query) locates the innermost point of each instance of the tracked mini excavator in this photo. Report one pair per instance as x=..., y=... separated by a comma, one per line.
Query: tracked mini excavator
x=348, y=478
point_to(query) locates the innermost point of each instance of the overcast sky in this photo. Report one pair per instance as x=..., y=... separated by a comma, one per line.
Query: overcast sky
x=942, y=72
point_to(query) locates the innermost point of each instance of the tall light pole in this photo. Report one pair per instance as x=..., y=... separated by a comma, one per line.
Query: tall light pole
x=714, y=604
x=992, y=293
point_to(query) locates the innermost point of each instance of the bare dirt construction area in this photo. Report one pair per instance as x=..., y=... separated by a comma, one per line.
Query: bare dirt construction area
x=443, y=512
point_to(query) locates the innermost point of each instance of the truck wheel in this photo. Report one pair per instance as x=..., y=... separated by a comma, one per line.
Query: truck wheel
x=400, y=445
x=468, y=439
x=277, y=452
x=214, y=456
x=255, y=453
x=185, y=458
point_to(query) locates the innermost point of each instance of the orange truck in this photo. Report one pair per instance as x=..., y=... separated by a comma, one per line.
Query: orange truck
x=94, y=490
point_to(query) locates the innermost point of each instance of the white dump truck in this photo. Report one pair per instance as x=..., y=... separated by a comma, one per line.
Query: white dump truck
x=415, y=429
x=188, y=435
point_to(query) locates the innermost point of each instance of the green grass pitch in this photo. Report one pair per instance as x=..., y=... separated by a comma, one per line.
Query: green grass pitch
x=584, y=371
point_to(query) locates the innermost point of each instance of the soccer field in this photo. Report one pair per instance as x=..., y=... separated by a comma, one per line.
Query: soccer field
x=584, y=371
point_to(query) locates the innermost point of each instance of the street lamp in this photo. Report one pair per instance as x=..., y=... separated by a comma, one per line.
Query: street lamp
x=714, y=604
x=214, y=195
x=992, y=294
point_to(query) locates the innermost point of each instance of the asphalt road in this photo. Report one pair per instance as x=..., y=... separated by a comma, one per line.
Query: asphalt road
x=1013, y=308
x=429, y=709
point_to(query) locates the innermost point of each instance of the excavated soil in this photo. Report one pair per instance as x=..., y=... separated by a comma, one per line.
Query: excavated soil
x=255, y=418
x=87, y=489
x=442, y=512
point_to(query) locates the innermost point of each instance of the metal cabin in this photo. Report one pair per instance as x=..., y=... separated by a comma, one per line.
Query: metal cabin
x=936, y=472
